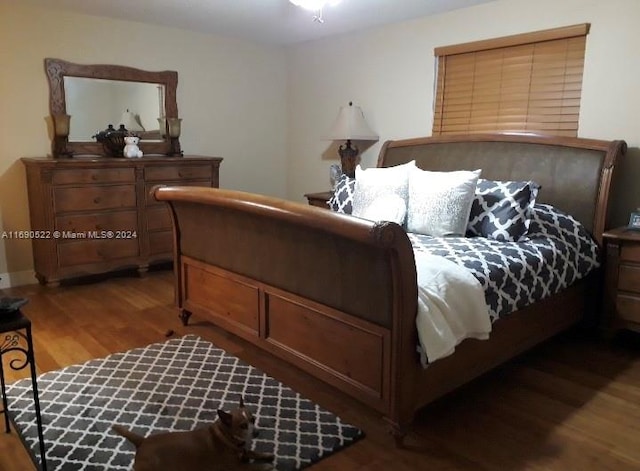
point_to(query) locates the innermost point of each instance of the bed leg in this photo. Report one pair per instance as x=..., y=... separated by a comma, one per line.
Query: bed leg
x=184, y=316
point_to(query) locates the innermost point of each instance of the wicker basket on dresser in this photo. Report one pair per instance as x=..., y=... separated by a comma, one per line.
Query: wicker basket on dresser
x=92, y=216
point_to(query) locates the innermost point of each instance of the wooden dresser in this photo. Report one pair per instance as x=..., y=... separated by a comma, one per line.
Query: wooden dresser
x=91, y=216
x=622, y=280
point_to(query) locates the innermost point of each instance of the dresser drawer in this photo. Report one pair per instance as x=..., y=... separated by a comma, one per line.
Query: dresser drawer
x=630, y=253
x=158, y=218
x=629, y=278
x=108, y=221
x=628, y=307
x=93, y=175
x=96, y=251
x=94, y=198
x=161, y=242
x=151, y=200
x=177, y=172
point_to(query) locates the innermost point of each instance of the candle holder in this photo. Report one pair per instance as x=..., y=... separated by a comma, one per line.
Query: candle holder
x=162, y=125
x=173, y=131
x=61, y=127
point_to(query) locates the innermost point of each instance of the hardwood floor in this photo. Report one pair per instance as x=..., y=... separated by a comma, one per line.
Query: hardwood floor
x=570, y=404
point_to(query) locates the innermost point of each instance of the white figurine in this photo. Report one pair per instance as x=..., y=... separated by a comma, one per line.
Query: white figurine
x=131, y=148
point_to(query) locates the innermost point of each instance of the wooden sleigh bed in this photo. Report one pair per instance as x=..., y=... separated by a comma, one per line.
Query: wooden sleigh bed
x=336, y=296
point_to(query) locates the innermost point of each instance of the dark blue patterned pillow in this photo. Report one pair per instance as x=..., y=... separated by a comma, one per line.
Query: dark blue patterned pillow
x=342, y=199
x=548, y=222
x=501, y=210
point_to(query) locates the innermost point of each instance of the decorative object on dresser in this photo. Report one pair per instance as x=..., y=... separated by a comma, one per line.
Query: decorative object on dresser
x=174, y=125
x=112, y=140
x=622, y=280
x=320, y=199
x=350, y=124
x=61, y=126
x=73, y=91
x=96, y=215
x=634, y=220
x=131, y=149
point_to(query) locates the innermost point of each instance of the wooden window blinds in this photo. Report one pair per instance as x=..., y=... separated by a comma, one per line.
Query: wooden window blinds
x=525, y=83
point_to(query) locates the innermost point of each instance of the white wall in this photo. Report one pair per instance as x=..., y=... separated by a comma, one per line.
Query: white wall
x=231, y=96
x=389, y=72
x=266, y=109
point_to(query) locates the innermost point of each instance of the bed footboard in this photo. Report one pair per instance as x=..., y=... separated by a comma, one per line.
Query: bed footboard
x=331, y=294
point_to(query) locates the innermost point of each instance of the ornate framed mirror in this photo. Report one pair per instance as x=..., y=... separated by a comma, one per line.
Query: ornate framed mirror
x=85, y=99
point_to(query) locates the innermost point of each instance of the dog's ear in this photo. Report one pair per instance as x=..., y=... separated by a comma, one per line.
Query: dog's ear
x=241, y=402
x=225, y=417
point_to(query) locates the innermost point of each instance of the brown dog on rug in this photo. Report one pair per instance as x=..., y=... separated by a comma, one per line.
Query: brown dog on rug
x=224, y=445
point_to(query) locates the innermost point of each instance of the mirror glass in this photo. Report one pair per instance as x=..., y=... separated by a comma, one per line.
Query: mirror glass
x=95, y=103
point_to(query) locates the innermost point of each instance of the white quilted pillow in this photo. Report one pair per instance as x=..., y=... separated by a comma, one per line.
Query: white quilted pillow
x=440, y=202
x=386, y=208
x=376, y=185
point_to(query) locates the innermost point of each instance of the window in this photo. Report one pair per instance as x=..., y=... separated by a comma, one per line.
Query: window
x=529, y=82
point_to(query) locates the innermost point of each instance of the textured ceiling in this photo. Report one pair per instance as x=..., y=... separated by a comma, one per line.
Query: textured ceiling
x=269, y=21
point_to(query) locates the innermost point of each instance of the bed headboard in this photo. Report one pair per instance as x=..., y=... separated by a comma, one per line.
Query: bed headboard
x=575, y=173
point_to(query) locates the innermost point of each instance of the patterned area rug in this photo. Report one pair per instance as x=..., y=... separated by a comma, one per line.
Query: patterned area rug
x=170, y=386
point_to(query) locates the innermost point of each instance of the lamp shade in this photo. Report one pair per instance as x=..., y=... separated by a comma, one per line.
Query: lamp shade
x=350, y=124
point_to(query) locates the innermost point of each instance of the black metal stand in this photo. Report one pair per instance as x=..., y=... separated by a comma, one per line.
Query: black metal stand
x=11, y=325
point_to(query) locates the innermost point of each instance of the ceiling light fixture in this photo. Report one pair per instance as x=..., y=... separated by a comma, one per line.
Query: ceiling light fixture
x=315, y=6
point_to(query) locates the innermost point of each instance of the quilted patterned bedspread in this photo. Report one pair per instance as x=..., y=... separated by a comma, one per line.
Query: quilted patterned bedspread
x=557, y=252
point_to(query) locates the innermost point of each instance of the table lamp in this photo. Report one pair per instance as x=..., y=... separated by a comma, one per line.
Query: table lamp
x=350, y=124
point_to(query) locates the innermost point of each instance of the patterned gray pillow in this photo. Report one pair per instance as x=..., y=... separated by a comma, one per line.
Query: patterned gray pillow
x=501, y=210
x=342, y=199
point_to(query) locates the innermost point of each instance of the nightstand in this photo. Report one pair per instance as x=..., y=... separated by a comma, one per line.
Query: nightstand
x=319, y=199
x=622, y=280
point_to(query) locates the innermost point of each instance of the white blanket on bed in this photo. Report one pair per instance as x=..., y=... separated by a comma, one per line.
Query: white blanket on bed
x=451, y=306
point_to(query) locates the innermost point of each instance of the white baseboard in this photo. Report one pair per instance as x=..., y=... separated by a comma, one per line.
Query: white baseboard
x=17, y=278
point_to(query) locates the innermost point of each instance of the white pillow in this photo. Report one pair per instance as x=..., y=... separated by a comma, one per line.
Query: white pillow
x=375, y=183
x=440, y=202
x=386, y=208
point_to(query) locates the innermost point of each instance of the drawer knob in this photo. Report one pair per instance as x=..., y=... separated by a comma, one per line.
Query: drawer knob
x=96, y=200
x=94, y=177
x=98, y=227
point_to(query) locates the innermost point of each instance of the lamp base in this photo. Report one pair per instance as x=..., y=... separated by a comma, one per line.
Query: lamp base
x=349, y=158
